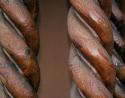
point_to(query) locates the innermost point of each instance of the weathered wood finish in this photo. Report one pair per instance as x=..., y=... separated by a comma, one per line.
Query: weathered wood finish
x=97, y=19
x=85, y=78
x=19, y=51
x=22, y=18
x=16, y=84
x=91, y=49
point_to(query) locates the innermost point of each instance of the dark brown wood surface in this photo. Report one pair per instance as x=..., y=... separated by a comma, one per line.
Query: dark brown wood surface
x=54, y=50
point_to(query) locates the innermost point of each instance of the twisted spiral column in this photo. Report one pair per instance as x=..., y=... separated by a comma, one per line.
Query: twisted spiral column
x=96, y=60
x=19, y=46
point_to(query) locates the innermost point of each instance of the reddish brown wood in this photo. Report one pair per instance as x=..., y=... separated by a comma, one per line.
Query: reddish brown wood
x=85, y=78
x=19, y=51
x=91, y=49
x=96, y=18
x=106, y=5
x=33, y=7
x=16, y=84
x=21, y=17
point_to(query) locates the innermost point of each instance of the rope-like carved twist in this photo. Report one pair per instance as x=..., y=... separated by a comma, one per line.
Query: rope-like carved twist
x=96, y=61
x=19, y=46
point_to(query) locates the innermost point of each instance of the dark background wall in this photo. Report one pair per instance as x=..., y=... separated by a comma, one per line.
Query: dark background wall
x=54, y=50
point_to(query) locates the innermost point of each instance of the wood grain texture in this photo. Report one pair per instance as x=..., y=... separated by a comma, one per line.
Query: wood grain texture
x=19, y=51
x=91, y=49
x=22, y=18
x=16, y=84
x=97, y=19
x=85, y=78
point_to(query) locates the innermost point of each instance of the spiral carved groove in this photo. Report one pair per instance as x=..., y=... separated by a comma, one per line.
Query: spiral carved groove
x=96, y=57
x=19, y=47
